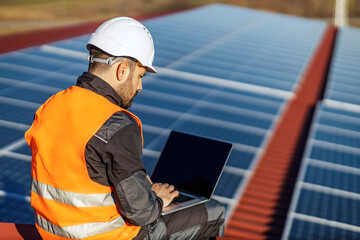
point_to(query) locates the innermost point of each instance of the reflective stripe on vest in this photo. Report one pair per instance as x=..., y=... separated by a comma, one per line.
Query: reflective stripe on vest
x=71, y=198
x=79, y=231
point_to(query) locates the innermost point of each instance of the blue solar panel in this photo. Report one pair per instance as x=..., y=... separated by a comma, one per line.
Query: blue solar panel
x=337, y=156
x=15, y=113
x=15, y=176
x=241, y=53
x=15, y=182
x=339, y=111
x=246, y=156
x=227, y=77
x=15, y=210
x=348, y=123
x=227, y=190
x=333, y=178
x=9, y=134
x=23, y=149
x=345, y=69
x=303, y=230
x=327, y=194
x=329, y=207
x=326, y=202
x=342, y=138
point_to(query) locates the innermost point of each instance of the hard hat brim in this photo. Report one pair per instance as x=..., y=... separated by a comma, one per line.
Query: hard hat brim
x=151, y=69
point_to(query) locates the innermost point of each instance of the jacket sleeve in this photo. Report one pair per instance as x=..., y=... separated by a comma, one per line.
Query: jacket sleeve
x=137, y=203
x=123, y=153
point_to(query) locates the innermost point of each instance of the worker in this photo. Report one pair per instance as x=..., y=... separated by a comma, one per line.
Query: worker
x=88, y=178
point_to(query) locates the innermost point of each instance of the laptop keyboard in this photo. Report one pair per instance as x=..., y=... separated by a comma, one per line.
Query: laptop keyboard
x=181, y=198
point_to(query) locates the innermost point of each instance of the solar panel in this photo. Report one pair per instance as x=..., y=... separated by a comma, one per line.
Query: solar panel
x=326, y=201
x=345, y=68
x=227, y=77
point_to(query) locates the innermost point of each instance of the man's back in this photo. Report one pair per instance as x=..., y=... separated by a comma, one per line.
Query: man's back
x=62, y=193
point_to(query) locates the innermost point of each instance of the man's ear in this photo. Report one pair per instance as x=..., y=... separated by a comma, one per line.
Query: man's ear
x=122, y=71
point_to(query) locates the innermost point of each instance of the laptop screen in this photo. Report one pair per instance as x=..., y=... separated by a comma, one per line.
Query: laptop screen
x=191, y=163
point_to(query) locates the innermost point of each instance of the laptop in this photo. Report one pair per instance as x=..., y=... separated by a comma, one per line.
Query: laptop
x=193, y=164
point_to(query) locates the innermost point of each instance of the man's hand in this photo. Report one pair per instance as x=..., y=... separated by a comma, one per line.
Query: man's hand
x=165, y=192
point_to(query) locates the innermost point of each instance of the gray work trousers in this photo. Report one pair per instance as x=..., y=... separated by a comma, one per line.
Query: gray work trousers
x=202, y=221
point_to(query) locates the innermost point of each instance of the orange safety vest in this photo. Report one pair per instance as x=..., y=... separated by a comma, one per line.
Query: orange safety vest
x=67, y=203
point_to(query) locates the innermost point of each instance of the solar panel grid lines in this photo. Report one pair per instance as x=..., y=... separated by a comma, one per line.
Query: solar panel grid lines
x=14, y=145
x=348, y=88
x=346, y=67
x=331, y=227
x=16, y=196
x=335, y=147
x=329, y=190
x=227, y=83
x=335, y=119
x=75, y=54
x=342, y=138
x=344, y=70
x=16, y=72
x=27, y=85
x=231, y=79
x=15, y=155
x=339, y=130
x=208, y=109
x=298, y=110
x=335, y=208
x=328, y=183
x=254, y=39
x=14, y=185
x=231, y=99
x=344, y=96
x=334, y=166
x=216, y=42
x=192, y=117
x=342, y=106
x=22, y=68
x=35, y=61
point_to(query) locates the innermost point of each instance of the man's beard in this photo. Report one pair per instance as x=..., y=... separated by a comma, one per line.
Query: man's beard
x=125, y=91
x=128, y=104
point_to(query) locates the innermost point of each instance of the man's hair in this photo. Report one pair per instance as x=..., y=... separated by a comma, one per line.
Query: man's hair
x=102, y=67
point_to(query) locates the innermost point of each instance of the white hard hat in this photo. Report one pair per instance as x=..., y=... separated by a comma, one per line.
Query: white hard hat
x=125, y=37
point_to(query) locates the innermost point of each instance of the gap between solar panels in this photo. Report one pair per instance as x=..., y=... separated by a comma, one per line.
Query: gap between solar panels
x=7, y=152
x=342, y=105
x=328, y=165
x=324, y=222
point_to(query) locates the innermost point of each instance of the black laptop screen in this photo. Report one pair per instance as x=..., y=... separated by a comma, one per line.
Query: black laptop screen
x=191, y=163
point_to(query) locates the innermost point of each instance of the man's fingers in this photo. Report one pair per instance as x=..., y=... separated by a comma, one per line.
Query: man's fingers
x=171, y=188
x=156, y=187
x=164, y=189
x=175, y=193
